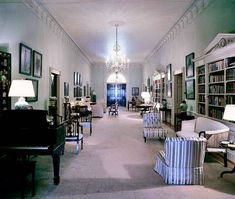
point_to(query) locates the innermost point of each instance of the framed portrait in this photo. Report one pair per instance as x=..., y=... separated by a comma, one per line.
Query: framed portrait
x=66, y=89
x=190, y=89
x=189, y=65
x=135, y=91
x=25, y=59
x=169, y=89
x=37, y=64
x=35, y=88
x=168, y=72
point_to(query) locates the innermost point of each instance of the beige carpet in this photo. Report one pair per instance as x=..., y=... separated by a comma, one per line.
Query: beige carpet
x=116, y=164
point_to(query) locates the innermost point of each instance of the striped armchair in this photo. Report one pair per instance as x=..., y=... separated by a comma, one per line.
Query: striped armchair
x=182, y=160
x=152, y=126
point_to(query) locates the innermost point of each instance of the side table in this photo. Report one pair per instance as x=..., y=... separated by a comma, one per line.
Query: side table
x=227, y=145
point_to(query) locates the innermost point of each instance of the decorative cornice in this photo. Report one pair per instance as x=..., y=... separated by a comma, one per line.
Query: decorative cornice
x=43, y=14
x=191, y=13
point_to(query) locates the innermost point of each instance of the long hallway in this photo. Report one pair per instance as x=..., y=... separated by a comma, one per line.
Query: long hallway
x=116, y=164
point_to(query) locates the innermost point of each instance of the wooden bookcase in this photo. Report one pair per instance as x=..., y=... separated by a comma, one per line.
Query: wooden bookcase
x=215, y=75
x=201, y=90
x=158, y=88
x=5, y=80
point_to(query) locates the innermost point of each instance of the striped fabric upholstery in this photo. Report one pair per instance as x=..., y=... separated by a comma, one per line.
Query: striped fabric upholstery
x=152, y=120
x=152, y=126
x=182, y=160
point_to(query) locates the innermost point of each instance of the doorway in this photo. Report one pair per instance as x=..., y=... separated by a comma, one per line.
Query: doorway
x=116, y=93
x=54, y=90
x=178, y=91
x=116, y=89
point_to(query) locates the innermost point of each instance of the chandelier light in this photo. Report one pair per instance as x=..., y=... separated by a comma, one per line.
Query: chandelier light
x=117, y=62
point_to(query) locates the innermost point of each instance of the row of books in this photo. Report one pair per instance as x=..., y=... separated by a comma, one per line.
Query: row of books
x=216, y=100
x=201, y=109
x=230, y=87
x=216, y=89
x=201, y=89
x=219, y=65
x=230, y=74
x=201, y=70
x=230, y=99
x=216, y=78
x=201, y=98
x=201, y=79
x=216, y=113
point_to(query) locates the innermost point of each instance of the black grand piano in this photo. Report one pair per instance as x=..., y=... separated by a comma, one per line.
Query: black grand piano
x=26, y=132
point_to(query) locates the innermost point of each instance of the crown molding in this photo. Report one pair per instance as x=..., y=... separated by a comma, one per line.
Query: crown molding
x=191, y=13
x=43, y=14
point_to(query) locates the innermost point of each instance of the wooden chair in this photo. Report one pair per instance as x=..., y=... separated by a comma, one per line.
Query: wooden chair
x=113, y=109
x=74, y=131
x=85, y=117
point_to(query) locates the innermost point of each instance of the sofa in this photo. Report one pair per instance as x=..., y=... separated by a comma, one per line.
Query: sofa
x=192, y=128
x=214, y=131
x=97, y=110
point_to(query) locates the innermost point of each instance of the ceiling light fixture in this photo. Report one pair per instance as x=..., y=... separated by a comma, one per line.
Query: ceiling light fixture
x=117, y=62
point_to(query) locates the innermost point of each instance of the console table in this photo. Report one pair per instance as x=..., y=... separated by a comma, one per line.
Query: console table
x=231, y=147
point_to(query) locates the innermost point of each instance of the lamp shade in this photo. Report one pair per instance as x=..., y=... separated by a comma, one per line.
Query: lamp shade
x=229, y=112
x=145, y=95
x=21, y=88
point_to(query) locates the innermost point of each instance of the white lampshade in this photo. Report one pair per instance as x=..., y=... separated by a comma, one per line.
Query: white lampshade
x=146, y=96
x=229, y=112
x=21, y=89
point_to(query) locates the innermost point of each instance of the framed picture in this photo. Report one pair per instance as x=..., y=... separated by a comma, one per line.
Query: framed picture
x=25, y=59
x=79, y=79
x=190, y=89
x=35, y=87
x=169, y=89
x=189, y=65
x=75, y=91
x=135, y=91
x=168, y=72
x=37, y=64
x=66, y=89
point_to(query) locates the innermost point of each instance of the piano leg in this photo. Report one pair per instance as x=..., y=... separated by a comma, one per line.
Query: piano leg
x=56, y=167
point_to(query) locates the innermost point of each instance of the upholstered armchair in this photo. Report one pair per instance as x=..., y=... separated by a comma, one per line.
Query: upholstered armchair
x=182, y=160
x=152, y=126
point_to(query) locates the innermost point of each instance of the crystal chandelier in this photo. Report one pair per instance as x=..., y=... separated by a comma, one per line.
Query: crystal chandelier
x=117, y=62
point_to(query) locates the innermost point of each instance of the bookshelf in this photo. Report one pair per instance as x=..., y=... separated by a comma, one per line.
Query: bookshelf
x=215, y=72
x=158, y=87
x=201, y=90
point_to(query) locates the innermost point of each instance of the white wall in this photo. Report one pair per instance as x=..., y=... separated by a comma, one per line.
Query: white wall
x=19, y=24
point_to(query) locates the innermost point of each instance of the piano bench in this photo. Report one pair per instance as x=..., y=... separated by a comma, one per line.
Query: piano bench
x=17, y=171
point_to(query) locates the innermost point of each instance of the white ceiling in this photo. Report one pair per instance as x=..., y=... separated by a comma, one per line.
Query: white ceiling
x=143, y=24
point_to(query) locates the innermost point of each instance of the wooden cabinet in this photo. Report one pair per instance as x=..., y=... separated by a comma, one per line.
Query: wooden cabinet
x=5, y=80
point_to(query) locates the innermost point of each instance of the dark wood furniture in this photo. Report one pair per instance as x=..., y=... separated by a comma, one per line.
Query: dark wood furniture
x=26, y=132
x=231, y=147
x=5, y=80
x=179, y=118
x=166, y=112
x=113, y=109
x=144, y=108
